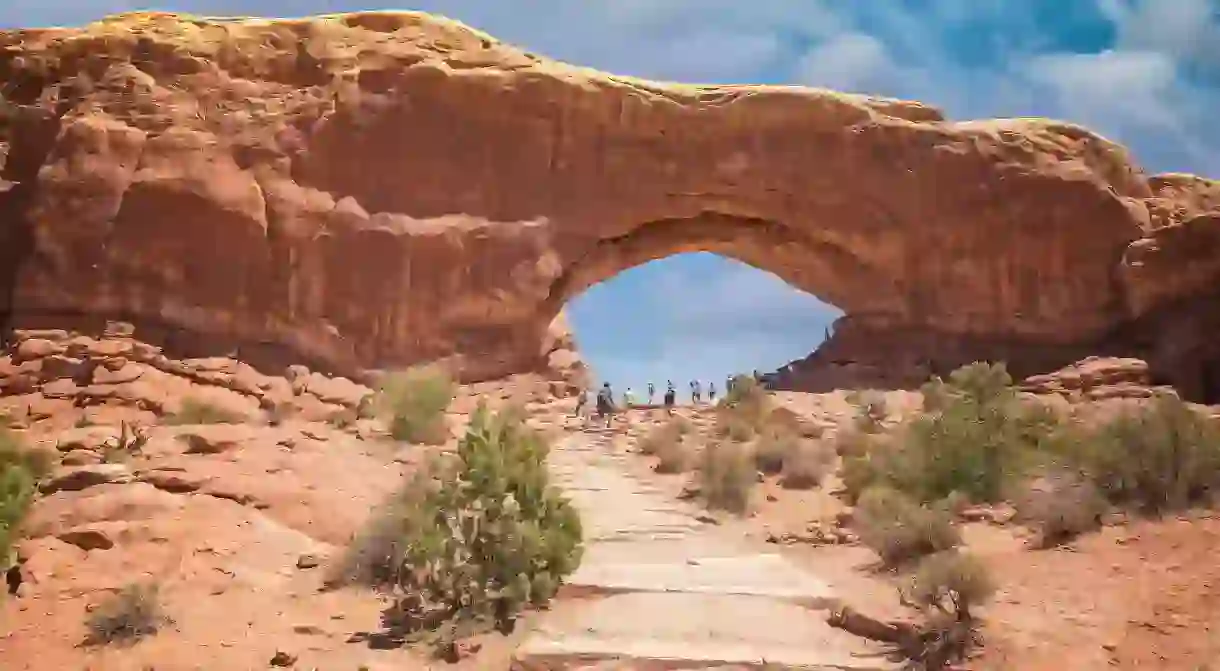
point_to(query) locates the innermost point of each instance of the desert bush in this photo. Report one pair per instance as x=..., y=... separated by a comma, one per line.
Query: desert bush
x=673, y=456
x=472, y=540
x=20, y=471
x=127, y=616
x=946, y=587
x=671, y=431
x=1160, y=456
x=871, y=410
x=773, y=446
x=1061, y=506
x=727, y=477
x=901, y=530
x=735, y=426
x=979, y=443
x=415, y=402
x=201, y=411
x=806, y=464
x=744, y=392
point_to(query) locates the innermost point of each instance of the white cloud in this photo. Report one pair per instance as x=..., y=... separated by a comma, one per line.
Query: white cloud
x=848, y=62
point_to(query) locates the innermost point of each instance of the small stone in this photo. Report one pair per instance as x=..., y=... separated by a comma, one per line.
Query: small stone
x=283, y=659
x=308, y=560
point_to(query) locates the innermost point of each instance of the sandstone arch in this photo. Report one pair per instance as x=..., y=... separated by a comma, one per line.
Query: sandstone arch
x=375, y=189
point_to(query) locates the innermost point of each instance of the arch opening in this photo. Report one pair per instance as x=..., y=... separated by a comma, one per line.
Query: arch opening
x=693, y=316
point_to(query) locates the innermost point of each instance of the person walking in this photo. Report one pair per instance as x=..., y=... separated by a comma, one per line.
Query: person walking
x=605, y=403
x=711, y=393
x=696, y=392
x=670, y=395
x=652, y=392
x=628, y=399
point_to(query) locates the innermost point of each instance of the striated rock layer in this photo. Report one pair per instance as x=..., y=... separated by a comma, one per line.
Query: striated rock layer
x=370, y=190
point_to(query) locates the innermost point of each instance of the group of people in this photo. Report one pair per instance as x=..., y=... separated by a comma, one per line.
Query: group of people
x=604, y=406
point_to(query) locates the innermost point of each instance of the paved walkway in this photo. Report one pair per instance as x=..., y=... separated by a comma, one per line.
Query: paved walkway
x=665, y=590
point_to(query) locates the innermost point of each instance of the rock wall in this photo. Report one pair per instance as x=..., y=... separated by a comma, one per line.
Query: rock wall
x=370, y=190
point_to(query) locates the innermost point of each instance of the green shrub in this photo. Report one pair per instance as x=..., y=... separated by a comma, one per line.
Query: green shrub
x=473, y=540
x=727, y=477
x=20, y=471
x=201, y=411
x=1160, y=456
x=979, y=443
x=131, y=614
x=901, y=530
x=415, y=402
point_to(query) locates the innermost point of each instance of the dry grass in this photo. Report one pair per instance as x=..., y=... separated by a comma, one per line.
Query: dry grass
x=899, y=529
x=727, y=477
x=666, y=434
x=673, y=456
x=806, y=465
x=772, y=448
x=133, y=613
x=201, y=411
x=1060, y=507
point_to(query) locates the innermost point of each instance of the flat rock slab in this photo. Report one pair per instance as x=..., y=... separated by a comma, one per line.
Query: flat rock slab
x=695, y=631
x=766, y=575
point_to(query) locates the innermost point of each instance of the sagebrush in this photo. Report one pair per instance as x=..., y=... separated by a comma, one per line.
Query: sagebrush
x=414, y=403
x=1159, y=456
x=979, y=441
x=946, y=588
x=727, y=477
x=901, y=530
x=472, y=540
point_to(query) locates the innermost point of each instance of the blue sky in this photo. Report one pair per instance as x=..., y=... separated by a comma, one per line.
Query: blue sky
x=1143, y=72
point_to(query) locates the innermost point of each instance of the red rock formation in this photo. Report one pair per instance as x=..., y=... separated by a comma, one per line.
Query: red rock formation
x=374, y=189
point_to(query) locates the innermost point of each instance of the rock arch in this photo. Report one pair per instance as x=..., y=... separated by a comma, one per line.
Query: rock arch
x=375, y=189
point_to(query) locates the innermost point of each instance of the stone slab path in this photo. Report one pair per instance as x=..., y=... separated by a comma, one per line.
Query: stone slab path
x=662, y=588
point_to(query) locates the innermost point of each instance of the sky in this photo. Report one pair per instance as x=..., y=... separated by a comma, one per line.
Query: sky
x=1143, y=72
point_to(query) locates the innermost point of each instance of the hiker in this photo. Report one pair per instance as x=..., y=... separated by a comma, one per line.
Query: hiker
x=581, y=402
x=652, y=392
x=696, y=392
x=670, y=394
x=711, y=393
x=605, y=403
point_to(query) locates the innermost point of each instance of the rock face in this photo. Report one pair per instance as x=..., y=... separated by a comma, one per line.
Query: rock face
x=375, y=189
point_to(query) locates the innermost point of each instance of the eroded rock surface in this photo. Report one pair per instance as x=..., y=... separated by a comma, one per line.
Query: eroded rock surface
x=367, y=190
